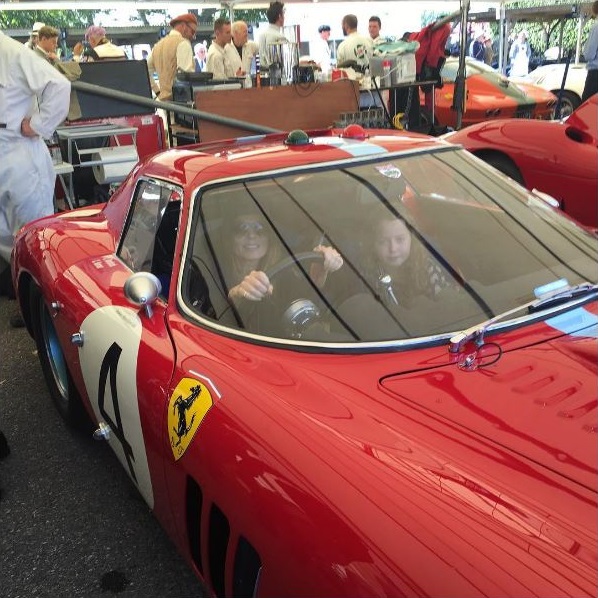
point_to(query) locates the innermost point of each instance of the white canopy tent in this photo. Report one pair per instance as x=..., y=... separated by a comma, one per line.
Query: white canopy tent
x=505, y=16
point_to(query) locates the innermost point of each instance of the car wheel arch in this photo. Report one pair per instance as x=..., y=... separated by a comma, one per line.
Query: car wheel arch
x=502, y=162
x=59, y=381
x=25, y=286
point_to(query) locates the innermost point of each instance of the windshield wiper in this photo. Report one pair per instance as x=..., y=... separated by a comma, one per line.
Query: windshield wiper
x=546, y=296
x=562, y=296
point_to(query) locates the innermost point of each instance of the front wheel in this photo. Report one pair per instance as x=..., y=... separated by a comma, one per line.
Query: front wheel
x=569, y=103
x=53, y=362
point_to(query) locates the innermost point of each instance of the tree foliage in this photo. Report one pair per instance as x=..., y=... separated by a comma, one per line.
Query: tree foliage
x=545, y=34
x=143, y=15
x=542, y=34
x=24, y=19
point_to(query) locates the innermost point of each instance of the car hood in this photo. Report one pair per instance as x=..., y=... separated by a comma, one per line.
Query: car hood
x=538, y=402
x=407, y=450
x=513, y=444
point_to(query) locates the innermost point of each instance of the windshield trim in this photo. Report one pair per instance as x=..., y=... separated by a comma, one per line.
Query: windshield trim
x=402, y=344
x=357, y=346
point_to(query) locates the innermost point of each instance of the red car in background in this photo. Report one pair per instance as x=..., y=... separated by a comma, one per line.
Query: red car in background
x=557, y=157
x=489, y=96
x=419, y=422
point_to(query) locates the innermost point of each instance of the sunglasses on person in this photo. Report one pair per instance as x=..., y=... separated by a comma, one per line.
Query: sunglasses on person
x=245, y=228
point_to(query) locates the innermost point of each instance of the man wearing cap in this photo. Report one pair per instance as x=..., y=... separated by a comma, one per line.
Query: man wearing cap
x=319, y=50
x=476, y=48
x=171, y=54
x=34, y=100
x=272, y=34
x=100, y=47
x=33, y=35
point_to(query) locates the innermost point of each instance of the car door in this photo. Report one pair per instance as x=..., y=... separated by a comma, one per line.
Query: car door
x=127, y=356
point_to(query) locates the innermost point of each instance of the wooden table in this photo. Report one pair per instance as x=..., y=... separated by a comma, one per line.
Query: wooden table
x=288, y=107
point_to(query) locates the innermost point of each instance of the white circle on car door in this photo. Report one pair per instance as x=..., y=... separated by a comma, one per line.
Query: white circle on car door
x=109, y=358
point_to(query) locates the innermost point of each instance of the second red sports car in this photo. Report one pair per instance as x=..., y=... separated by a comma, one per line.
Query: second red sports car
x=557, y=157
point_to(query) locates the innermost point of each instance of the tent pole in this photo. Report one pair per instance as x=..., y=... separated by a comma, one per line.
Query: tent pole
x=580, y=20
x=502, y=41
x=231, y=11
x=460, y=91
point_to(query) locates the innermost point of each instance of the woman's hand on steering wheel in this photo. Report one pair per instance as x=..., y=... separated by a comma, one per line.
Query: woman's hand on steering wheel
x=254, y=287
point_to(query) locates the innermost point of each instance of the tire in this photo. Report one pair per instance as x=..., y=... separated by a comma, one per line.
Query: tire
x=569, y=102
x=505, y=165
x=53, y=362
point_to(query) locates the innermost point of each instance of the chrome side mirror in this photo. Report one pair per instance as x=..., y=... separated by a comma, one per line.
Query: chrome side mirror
x=551, y=201
x=142, y=289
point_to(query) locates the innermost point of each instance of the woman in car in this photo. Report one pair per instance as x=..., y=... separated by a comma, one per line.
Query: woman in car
x=254, y=251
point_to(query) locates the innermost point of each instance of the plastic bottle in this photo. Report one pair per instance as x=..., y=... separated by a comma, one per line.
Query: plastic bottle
x=248, y=83
x=386, y=73
x=258, y=81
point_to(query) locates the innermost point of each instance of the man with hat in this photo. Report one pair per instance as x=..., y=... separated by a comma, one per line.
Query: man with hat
x=33, y=35
x=171, y=54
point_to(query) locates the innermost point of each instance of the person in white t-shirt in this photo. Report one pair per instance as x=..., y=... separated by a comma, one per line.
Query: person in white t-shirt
x=355, y=49
x=374, y=26
x=273, y=33
x=219, y=62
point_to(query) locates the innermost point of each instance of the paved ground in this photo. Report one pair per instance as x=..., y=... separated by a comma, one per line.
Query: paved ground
x=71, y=523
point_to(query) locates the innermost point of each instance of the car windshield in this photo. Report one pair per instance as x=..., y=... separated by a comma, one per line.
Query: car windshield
x=431, y=243
x=472, y=67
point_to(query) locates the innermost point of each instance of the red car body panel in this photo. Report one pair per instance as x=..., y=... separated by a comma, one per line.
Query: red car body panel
x=557, y=157
x=391, y=474
x=357, y=451
x=149, y=139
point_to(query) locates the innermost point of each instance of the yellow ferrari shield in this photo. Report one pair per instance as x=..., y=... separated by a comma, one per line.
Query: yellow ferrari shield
x=188, y=405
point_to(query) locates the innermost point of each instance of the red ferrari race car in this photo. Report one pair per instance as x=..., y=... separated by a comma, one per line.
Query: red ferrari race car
x=334, y=364
x=489, y=96
x=558, y=157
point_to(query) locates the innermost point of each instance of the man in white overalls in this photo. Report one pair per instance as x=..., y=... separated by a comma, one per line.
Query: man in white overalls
x=34, y=100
